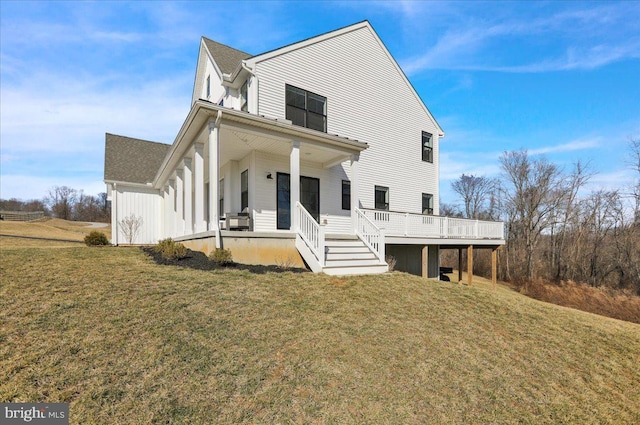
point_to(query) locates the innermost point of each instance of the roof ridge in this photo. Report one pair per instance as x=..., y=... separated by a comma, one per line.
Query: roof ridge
x=135, y=138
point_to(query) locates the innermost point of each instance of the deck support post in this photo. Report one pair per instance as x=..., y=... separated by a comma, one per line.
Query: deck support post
x=425, y=261
x=494, y=267
x=459, y=265
x=470, y=264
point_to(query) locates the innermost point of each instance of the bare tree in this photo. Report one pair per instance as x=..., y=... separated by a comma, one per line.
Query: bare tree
x=477, y=193
x=131, y=226
x=535, y=192
x=61, y=200
x=634, y=163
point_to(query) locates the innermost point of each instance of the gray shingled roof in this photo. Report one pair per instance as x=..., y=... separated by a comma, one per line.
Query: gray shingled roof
x=227, y=58
x=132, y=160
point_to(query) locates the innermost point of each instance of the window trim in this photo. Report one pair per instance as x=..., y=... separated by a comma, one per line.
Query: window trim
x=208, y=86
x=384, y=189
x=428, y=148
x=347, y=184
x=221, y=197
x=306, y=110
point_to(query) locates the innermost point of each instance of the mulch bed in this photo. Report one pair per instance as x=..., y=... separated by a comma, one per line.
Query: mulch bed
x=197, y=260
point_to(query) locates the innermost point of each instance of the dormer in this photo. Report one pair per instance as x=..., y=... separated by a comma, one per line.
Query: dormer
x=220, y=75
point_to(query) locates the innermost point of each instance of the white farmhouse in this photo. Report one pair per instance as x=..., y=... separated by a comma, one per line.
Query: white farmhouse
x=319, y=153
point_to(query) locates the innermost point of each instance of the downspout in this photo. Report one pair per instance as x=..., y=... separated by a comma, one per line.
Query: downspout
x=253, y=74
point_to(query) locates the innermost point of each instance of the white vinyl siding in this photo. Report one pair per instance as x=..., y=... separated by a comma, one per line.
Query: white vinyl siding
x=338, y=220
x=140, y=202
x=368, y=100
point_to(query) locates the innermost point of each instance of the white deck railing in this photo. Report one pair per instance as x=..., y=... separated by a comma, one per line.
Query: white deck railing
x=370, y=234
x=433, y=226
x=310, y=232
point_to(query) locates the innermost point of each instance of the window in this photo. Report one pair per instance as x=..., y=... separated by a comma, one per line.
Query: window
x=382, y=198
x=427, y=147
x=208, y=86
x=427, y=204
x=346, y=195
x=244, y=190
x=221, y=193
x=244, y=98
x=306, y=109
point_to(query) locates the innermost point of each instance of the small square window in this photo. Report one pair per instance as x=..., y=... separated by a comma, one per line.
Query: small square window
x=346, y=195
x=382, y=198
x=427, y=147
x=427, y=204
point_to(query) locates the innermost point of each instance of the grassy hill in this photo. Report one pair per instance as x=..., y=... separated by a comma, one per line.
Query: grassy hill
x=127, y=341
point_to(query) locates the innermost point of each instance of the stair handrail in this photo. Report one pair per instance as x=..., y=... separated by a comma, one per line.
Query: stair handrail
x=311, y=233
x=370, y=234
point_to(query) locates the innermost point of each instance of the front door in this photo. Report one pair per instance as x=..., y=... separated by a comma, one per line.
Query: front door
x=309, y=198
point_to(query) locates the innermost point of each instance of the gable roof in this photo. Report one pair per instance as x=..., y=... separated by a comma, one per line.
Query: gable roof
x=132, y=160
x=227, y=58
x=252, y=61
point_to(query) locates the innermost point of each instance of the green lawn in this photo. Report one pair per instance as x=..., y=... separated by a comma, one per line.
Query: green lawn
x=127, y=341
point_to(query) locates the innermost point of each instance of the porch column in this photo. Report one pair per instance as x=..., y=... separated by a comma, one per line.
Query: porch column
x=198, y=186
x=171, y=210
x=188, y=196
x=179, y=203
x=294, y=180
x=470, y=264
x=355, y=189
x=165, y=212
x=214, y=176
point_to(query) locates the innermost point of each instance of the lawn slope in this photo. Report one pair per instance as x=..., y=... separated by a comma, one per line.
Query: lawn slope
x=127, y=341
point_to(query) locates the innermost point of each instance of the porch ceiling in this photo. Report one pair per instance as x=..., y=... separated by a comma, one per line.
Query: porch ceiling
x=240, y=133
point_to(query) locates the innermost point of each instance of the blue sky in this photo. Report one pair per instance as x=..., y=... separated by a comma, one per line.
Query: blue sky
x=561, y=79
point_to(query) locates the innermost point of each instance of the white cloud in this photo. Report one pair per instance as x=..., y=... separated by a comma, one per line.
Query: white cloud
x=590, y=38
x=575, y=145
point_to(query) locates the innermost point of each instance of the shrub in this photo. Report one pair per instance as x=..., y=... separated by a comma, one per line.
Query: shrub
x=96, y=238
x=170, y=249
x=221, y=257
x=391, y=261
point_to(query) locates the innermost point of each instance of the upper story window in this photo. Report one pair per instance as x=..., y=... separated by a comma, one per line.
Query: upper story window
x=208, y=86
x=427, y=204
x=306, y=109
x=244, y=98
x=427, y=147
x=381, y=198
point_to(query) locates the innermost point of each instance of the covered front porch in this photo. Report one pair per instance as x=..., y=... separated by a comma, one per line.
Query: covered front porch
x=255, y=170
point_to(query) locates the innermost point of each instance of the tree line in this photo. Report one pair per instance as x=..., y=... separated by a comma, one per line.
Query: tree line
x=65, y=203
x=555, y=231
